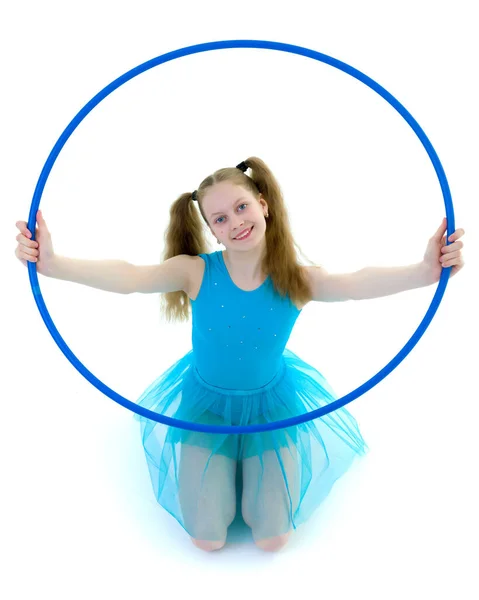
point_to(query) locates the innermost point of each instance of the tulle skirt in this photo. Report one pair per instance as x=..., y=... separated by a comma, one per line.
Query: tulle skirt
x=276, y=479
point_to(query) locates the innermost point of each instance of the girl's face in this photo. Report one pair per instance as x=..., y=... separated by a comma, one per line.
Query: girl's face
x=234, y=215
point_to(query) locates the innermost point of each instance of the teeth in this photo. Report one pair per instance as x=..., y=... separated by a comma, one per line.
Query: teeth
x=240, y=237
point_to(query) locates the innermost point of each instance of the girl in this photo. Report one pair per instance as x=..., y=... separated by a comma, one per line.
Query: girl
x=244, y=302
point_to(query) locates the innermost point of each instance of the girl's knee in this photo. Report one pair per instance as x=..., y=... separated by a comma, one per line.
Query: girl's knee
x=273, y=544
x=207, y=545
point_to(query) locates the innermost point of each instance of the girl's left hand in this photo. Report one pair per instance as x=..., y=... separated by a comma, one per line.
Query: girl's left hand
x=439, y=256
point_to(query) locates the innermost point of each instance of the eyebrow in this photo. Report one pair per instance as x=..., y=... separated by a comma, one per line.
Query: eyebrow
x=221, y=212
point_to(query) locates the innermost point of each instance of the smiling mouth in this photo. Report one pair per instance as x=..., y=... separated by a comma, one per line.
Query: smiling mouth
x=243, y=236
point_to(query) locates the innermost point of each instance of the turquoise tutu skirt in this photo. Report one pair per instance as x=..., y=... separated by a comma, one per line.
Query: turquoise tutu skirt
x=274, y=479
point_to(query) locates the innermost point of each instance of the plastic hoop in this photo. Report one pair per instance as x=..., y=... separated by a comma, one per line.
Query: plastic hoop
x=400, y=356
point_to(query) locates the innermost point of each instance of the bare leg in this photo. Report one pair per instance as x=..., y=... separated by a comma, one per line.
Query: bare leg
x=273, y=544
x=207, y=495
x=266, y=504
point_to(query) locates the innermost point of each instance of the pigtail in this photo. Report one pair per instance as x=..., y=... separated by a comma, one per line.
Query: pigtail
x=184, y=235
x=281, y=260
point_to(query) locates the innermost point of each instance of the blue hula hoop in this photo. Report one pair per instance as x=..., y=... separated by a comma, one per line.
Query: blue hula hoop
x=292, y=420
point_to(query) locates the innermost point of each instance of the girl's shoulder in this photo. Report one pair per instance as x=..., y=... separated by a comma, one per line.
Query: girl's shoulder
x=196, y=271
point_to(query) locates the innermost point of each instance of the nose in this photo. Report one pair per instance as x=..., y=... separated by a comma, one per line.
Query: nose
x=237, y=222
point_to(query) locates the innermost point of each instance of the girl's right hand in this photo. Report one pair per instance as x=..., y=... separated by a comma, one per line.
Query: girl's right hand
x=39, y=251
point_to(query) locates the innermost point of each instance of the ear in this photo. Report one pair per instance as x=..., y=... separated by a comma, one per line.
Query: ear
x=263, y=203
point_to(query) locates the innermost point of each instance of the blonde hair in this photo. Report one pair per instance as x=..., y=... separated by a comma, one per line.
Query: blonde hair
x=186, y=235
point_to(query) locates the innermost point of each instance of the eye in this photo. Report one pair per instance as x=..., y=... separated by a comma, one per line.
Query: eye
x=219, y=222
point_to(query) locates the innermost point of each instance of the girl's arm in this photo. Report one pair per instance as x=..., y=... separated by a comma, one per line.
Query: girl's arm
x=116, y=276
x=109, y=275
x=370, y=282
x=123, y=277
x=375, y=282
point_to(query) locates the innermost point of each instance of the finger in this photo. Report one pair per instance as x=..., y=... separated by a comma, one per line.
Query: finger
x=21, y=239
x=23, y=256
x=440, y=232
x=458, y=263
x=456, y=235
x=24, y=262
x=452, y=247
x=22, y=226
x=41, y=221
x=450, y=257
x=25, y=252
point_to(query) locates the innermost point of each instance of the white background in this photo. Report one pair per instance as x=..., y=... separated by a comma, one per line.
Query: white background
x=79, y=518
